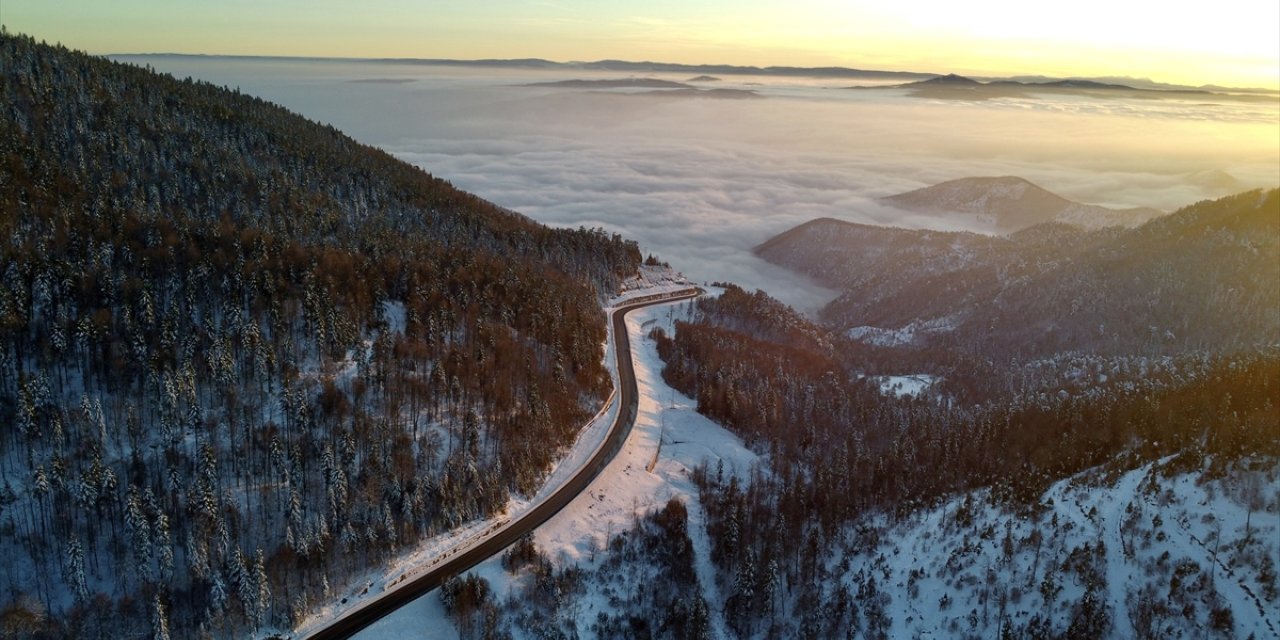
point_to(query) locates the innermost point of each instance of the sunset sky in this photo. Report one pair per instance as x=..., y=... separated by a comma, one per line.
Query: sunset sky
x=1227, y=42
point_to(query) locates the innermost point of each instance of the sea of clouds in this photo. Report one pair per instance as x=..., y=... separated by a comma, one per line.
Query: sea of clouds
x=699, y=180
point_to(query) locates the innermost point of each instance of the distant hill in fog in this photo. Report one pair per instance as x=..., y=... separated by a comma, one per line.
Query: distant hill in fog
x=1032, y=81
x=955, y=87
x=624, y=83
x=1009, y=203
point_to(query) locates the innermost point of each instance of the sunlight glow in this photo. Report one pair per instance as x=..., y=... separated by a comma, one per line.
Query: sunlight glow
x=1232, y=42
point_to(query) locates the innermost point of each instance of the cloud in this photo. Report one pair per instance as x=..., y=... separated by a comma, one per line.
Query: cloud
x=699, y=181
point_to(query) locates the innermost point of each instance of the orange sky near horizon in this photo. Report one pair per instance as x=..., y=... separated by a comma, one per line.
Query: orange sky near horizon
x=1231, y=43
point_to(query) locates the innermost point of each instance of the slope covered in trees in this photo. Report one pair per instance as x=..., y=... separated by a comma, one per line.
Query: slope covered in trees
x=845, y=459
x=1062, y=357
x=1203, y=279
x=244, y=356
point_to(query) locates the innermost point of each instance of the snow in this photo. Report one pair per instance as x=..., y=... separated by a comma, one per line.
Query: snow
x=906, y=335
x=672, y=437
x=883, y=337
x=433, y=550
x=669, y=438
x=912, y=385
x=652, y=280
x=953, y=553
x=393, y=312
x=1137, y=515
x=422, y=618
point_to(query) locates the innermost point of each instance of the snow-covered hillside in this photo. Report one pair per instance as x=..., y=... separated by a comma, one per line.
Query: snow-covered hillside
x=1156, y=552
x=669, y=439
x=1186, y=546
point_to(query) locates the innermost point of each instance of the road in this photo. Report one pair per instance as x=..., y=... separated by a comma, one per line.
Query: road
x=369, y=612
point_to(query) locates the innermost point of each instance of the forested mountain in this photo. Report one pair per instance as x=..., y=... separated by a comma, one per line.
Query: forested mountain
x=243, y=357
x=1131, y=371
x=1202, y=279
x=1010, y=203
x=800, y=547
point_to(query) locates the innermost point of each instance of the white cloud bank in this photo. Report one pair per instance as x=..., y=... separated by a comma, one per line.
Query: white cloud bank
x=699, y=181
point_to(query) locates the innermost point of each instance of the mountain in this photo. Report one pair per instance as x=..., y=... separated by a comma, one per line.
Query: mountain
x=1191, y=281
x=244, y=358
x=1098, y=424
x=954, y=87
x=623, y=83
x=1076, y=495
x=722, y=69
x=950, y=79
x=1010, y=203
x=844, y=255
x=1138, y=83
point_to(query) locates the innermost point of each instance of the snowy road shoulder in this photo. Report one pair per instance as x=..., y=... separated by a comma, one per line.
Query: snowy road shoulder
x=667, y=427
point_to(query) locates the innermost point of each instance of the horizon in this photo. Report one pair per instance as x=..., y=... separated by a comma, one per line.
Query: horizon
x=727, y=68
x=696, y=180
x=1236, y=46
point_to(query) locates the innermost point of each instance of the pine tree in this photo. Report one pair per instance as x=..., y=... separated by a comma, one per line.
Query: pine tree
x=74, y=573
x=164, y=546
x=159, y=620
x=217, y=594
x=242, y=581
x=771, y=583
x=139, y=534
x=262, y=600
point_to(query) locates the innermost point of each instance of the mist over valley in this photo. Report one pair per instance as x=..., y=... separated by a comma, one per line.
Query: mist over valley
x=699, y=181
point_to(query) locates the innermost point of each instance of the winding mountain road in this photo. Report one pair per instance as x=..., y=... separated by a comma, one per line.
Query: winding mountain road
x=500, y=538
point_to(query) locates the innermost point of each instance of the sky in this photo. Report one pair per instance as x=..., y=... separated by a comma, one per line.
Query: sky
x=1227, y=42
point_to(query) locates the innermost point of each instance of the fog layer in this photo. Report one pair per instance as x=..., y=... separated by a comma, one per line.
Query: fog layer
x=699, y=180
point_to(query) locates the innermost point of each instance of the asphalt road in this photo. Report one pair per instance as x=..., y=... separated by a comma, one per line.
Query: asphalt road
x=373, y=610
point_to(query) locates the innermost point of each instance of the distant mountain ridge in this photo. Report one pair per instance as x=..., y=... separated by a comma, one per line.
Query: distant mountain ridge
x=952, y=79
x=1137, y=84
x=648, y=87
x=949, y=79
x=1011, y=203
x=623, y=83
x=956, y=87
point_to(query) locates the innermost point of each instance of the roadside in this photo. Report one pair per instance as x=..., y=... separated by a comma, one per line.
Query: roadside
x=623, y=492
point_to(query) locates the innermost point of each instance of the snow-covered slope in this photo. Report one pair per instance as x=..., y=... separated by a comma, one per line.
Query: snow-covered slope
x=1006, y=204
x=669, y=439
x=1158, y=552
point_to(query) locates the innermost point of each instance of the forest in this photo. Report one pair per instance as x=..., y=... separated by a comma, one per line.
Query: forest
x=846, y=460
x=1191, y=281
x=244, y=358
x=1109, y=497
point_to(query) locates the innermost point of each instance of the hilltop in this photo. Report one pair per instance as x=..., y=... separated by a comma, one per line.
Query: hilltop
x=1010, y=203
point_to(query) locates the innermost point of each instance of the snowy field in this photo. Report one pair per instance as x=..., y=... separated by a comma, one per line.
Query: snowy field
x=900, y=386
x=669, y=439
